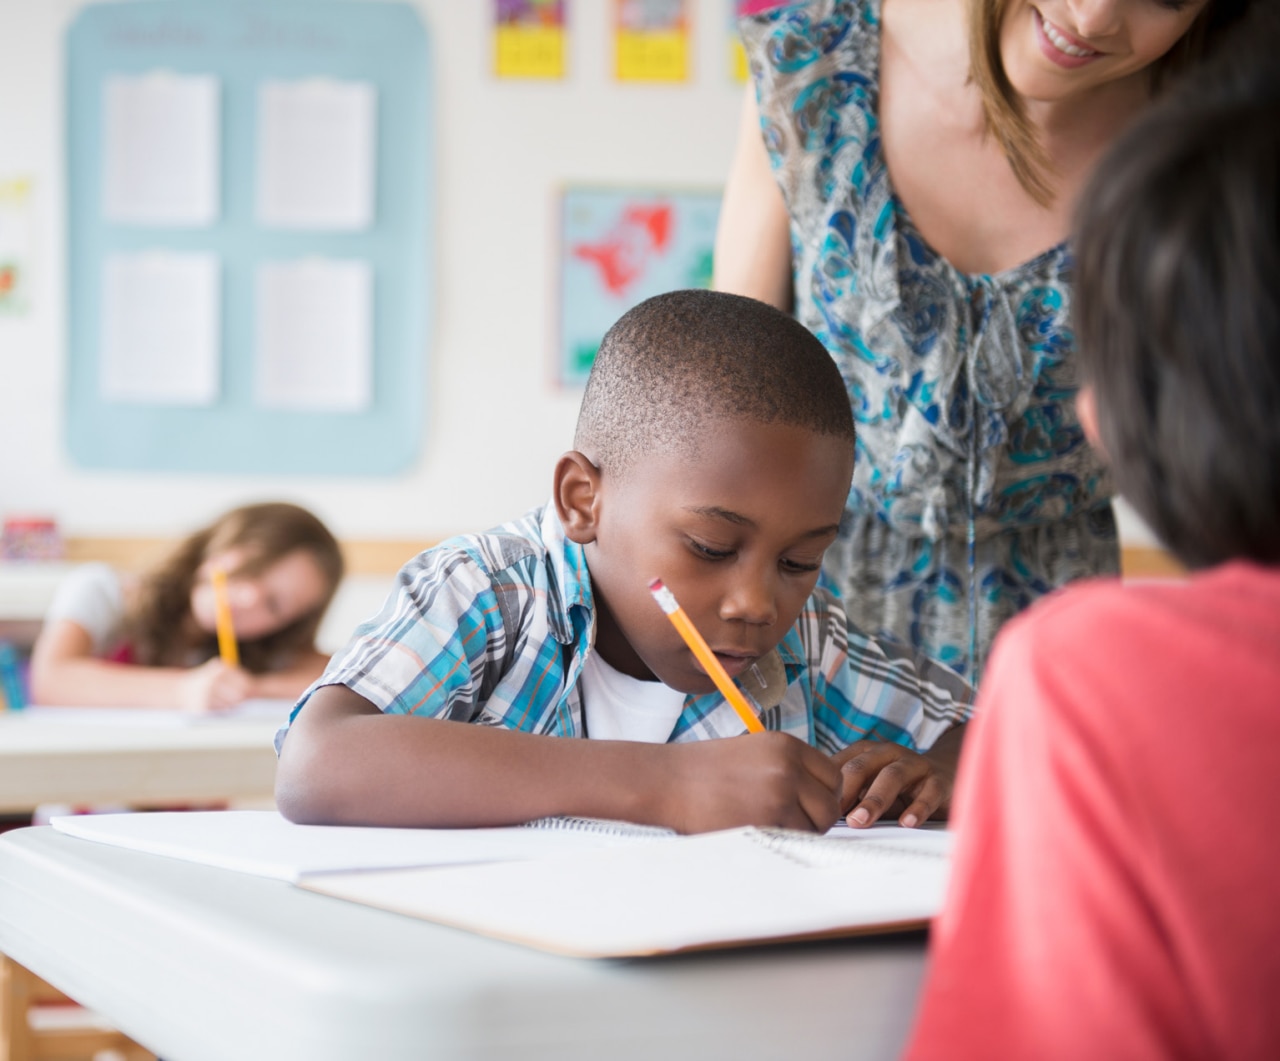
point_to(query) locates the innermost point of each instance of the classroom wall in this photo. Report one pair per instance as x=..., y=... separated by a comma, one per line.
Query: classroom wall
x=495, y=420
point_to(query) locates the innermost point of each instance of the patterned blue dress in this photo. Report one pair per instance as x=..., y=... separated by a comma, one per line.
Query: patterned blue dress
x=974, y=491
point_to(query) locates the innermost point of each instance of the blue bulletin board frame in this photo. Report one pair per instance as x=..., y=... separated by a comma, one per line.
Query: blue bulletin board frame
x=242, y=43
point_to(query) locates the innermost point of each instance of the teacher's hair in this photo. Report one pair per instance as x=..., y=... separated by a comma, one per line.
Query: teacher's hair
x=1007, y=121
x=1177, y=305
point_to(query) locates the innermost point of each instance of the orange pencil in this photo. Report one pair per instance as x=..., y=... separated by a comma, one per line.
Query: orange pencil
x=227, y=648
x=667, y=602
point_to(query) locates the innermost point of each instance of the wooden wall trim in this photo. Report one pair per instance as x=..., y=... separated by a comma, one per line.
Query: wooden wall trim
x=1145, y=561
x=384, y=556
x=374, y=556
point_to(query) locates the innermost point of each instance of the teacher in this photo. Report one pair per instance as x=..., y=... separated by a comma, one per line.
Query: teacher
x=904, y=183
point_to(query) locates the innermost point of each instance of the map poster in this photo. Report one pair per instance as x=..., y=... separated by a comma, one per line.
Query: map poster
x=619, y=246
x=529, y=38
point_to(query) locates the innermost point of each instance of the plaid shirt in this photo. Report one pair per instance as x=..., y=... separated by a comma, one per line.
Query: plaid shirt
x=493, y=629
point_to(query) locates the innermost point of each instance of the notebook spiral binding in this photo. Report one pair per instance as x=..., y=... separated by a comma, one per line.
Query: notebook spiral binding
x=822, y=852
x=604, y=826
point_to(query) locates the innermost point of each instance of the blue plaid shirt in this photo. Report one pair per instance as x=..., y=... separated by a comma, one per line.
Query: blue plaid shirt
x=493, y=629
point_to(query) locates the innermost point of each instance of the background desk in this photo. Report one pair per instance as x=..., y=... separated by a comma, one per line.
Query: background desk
x=45, y=759
x=202, y=964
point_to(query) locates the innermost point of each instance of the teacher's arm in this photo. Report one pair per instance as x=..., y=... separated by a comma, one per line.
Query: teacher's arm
x=753, y=237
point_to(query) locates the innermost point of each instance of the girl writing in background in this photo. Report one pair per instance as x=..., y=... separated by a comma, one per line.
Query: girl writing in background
x=904, y=183
x=114, y=641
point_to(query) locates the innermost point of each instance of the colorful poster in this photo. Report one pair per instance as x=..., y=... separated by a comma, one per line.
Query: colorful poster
x=619, y=247
x=529, y=38
x=651, y=40
x=17, y=238
x=737, y=54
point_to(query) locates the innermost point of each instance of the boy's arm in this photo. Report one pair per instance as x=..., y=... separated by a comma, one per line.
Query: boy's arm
x=901, y=718
x=345, y=762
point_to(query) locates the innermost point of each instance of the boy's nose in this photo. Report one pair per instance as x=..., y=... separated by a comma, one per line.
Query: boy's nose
x=750, y=599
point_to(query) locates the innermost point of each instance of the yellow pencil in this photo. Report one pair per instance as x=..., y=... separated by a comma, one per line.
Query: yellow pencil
x=667, y=602
x=226, y=629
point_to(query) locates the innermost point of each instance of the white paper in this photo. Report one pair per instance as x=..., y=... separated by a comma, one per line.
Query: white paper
x=316, y=154
x=259, y=710
x=160, y=150
x=715, y=889
x=265, y=843
x=160, y=328
x=314, y=336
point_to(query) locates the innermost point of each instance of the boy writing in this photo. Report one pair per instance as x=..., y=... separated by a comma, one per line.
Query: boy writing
x=713, y=451
x=1114, y=885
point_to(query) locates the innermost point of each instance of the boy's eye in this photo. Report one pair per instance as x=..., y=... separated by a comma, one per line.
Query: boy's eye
x=708, y=552
x=799, y=566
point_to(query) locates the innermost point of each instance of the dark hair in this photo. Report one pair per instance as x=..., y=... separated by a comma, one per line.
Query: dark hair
x=679, y=360
x=158, y=625
x=1002, y=107
x=1177, y=306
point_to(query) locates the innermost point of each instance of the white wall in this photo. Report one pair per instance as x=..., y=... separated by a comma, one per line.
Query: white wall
x=496, y=421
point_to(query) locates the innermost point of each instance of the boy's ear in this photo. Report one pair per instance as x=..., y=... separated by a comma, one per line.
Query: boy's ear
x=1087, y=411
x=577, y=496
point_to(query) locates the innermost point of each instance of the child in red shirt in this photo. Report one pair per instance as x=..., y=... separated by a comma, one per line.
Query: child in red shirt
x=1114, y=893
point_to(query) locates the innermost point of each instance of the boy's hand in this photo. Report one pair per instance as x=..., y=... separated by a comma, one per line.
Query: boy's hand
x=880, y=776
x=757, y=779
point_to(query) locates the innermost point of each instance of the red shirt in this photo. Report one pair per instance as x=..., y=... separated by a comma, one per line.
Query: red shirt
x=1116, y=885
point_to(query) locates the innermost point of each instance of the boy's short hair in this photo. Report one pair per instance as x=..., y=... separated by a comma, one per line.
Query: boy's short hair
x=1178, y=306
x=680, y=360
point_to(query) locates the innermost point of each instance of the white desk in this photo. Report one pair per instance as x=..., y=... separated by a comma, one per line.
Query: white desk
x=62, y=755
x=202, y=964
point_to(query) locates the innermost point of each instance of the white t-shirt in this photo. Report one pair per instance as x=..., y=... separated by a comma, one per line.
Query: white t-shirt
x=92, y=597
x=619, y=707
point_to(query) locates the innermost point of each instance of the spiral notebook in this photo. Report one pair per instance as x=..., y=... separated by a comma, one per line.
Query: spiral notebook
x=266, y=844
x=722, y=889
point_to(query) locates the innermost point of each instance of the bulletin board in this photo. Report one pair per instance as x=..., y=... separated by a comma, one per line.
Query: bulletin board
x=249, y=290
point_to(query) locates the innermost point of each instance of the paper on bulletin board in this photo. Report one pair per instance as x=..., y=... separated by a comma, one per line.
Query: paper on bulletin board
x=651, y=40
x=529, y=38
x=17, y=242
x=317, y=145
x=314, y=336
x=619, y=247
x=160, y=150
x=161, y=333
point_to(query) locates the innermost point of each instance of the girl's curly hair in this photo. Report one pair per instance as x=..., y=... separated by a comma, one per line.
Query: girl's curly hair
x=159, y=625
